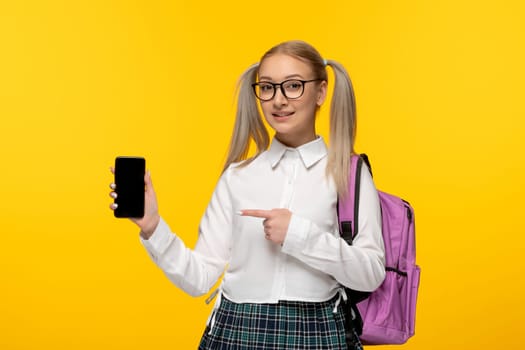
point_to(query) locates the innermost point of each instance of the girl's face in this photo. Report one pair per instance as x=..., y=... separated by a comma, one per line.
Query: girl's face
x=292, y=119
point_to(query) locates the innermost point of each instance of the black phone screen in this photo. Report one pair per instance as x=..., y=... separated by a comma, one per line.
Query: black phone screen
x=129, y=181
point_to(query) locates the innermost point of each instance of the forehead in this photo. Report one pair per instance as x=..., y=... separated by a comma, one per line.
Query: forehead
x=280, y=66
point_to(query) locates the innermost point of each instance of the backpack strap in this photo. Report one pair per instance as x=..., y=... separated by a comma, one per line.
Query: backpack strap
x=348, y=211
x=367, y=162
x=348, y=208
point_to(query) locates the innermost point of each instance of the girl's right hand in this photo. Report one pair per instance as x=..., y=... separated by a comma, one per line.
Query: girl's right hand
x=151, y=218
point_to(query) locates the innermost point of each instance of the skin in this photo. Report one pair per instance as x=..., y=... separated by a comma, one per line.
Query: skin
x=292, y=120
x=294, y=124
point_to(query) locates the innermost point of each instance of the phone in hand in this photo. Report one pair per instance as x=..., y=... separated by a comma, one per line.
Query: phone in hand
x=129, y=186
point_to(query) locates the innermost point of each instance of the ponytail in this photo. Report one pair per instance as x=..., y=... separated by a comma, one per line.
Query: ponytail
x=342, y=128
x=248, y=122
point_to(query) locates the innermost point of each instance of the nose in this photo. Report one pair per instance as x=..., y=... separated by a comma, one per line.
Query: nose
x=279, y=99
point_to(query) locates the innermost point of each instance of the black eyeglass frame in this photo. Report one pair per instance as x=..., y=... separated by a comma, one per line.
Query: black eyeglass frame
x=280, y=85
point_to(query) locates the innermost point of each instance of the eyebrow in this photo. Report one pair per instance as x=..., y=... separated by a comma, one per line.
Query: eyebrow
x=285, y=78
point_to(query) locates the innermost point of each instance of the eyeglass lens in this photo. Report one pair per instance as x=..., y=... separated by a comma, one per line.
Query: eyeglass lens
x=290, y=88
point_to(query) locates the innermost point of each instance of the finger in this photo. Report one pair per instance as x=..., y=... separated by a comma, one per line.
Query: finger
x=257, y=213
x=113, y=206
x=113, y=195
x=112, y=169
x=113, y=186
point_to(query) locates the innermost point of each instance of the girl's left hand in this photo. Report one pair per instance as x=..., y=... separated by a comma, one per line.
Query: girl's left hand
x=275, y=222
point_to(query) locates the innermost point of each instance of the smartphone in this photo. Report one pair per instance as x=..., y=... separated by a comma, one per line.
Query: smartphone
x=129, y=186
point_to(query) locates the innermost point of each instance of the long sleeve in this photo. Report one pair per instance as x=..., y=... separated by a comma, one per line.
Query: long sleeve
x=360, y=266
x=313, y=261
x=196, y=271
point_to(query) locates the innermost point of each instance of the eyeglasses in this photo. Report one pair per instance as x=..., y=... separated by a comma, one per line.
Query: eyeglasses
x=291, y=89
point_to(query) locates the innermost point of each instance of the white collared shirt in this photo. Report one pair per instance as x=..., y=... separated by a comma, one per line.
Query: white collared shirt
x=313, y=262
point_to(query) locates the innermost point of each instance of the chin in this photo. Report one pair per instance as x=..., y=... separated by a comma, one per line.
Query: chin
x=282, y=130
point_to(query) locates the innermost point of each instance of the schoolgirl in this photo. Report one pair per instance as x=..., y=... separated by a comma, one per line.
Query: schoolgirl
x=271, y=225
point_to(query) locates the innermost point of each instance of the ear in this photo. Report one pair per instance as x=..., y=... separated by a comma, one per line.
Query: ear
x=321, y=95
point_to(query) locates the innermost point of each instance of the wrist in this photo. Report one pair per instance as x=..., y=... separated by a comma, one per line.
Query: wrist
x=149, y=227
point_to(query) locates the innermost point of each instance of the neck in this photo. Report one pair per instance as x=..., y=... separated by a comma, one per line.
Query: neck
x=295, y=141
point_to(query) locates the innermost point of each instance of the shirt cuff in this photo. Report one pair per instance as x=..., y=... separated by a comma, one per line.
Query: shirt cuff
x=297, y=235
x=159, y=241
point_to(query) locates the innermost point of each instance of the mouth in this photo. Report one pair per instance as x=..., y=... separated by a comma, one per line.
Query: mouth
x=282, y=115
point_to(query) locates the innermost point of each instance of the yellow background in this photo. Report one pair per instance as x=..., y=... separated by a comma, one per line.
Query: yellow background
x=439, y=88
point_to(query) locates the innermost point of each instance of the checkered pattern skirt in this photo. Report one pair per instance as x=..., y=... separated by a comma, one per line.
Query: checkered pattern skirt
x=287, y=325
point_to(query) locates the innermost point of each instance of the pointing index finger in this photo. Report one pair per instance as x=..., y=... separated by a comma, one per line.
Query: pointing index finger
x=256, y=213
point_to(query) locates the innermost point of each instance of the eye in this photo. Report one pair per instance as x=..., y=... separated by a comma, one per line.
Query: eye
x=265, y=87
x=293, y=85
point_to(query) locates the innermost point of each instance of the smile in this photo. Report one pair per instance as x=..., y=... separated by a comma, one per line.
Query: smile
x=282, y=114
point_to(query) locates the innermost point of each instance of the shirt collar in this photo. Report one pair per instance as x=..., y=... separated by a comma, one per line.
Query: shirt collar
x=310, y=152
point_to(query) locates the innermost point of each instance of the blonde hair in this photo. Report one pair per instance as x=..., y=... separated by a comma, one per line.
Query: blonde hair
x=249, y=125
x=248, y=122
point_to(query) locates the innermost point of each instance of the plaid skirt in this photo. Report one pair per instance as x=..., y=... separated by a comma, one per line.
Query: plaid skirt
x=287, y=325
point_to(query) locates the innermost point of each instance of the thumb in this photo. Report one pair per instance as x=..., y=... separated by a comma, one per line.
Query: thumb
x=147, y=180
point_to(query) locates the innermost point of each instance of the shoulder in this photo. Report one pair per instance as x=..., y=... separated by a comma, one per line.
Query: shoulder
x=368, y=190
x=246, y=173
x=247, y=165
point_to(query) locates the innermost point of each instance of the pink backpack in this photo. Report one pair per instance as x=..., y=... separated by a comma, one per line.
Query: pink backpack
x=387, y=315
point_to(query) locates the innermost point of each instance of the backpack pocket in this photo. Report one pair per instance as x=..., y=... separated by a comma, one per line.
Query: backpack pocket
x=413, y=283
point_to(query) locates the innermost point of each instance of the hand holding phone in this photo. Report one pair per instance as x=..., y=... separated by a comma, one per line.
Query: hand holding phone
x=129, y=186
